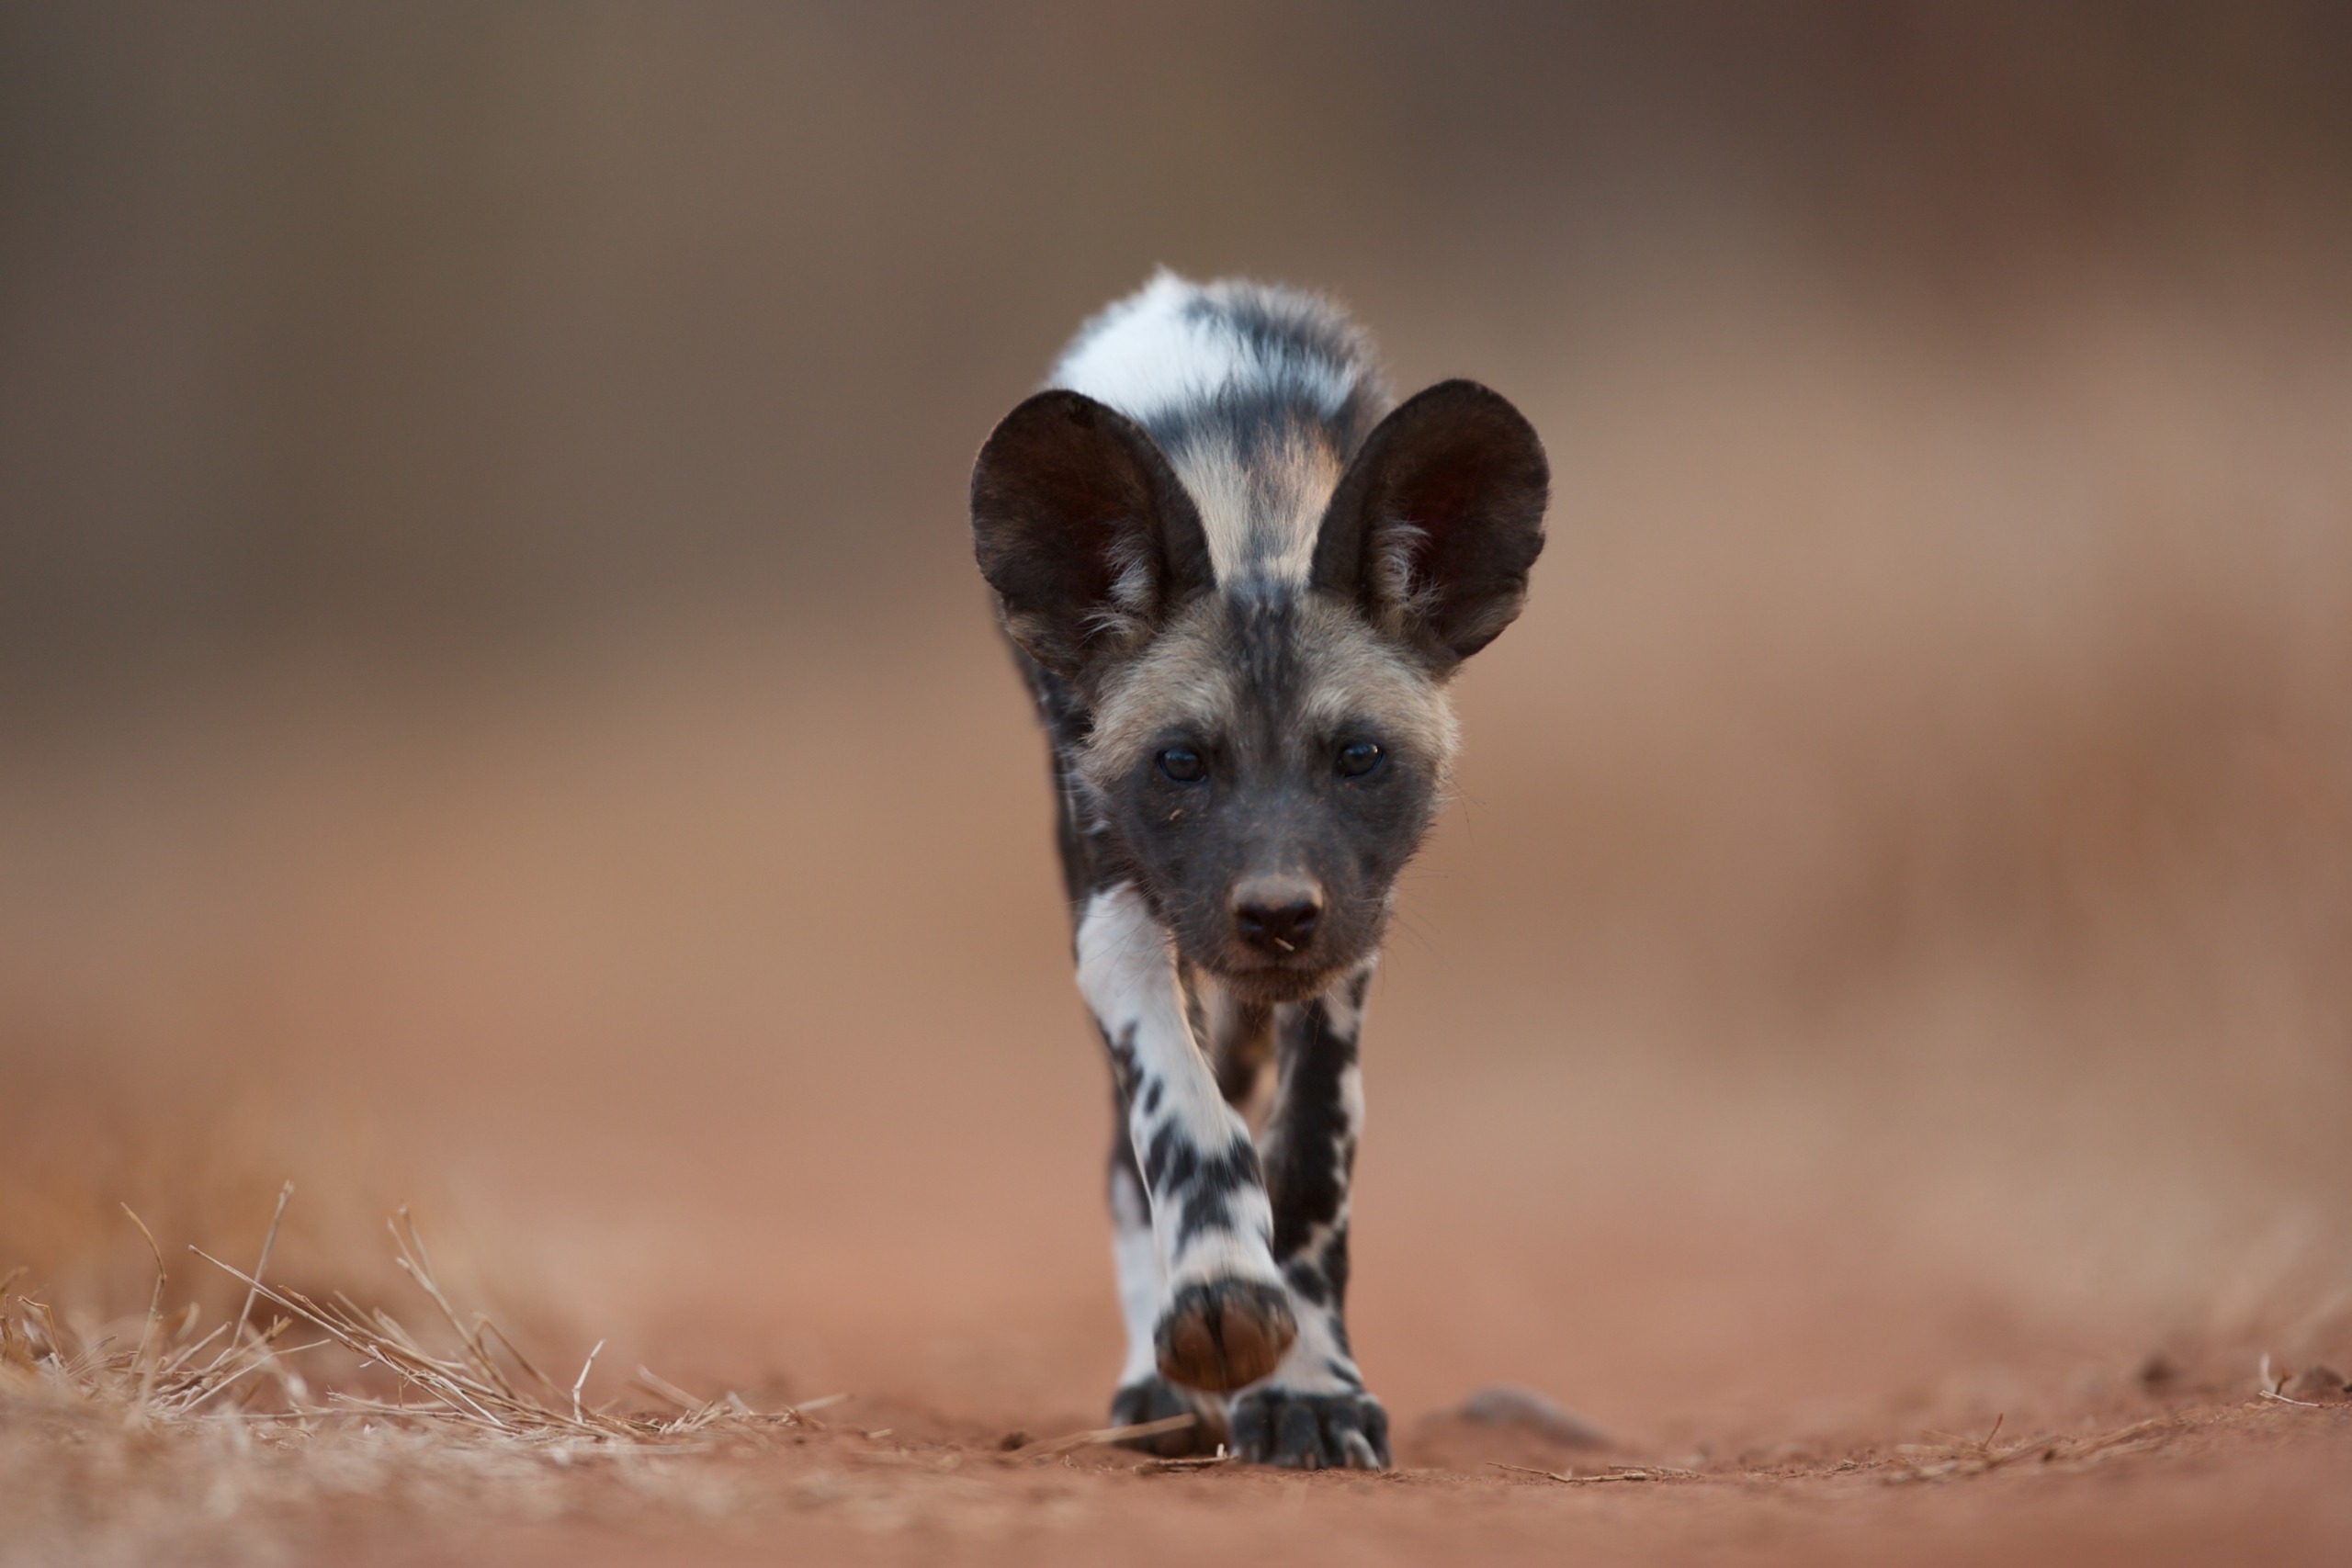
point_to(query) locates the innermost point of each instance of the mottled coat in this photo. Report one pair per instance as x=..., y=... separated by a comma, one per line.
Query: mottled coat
x=1237, y=577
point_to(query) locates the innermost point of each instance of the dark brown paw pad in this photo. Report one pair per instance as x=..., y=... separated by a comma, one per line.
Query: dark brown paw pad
x=1310, y=1431
x=1224, y=1334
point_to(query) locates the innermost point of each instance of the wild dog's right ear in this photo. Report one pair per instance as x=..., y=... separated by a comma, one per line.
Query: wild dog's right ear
x=1083, y=530
x=1434, y=525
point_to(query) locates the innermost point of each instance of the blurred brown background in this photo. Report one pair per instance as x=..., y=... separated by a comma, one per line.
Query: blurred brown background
x=496, y=710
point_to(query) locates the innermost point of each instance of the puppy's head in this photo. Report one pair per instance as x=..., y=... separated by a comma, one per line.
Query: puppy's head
x=1268, y=748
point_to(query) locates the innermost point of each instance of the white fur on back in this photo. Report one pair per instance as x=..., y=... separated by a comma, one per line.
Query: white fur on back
x=1144, y=357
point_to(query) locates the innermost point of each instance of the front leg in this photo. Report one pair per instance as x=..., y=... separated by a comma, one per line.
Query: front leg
x=1223, y=1317
x=1314, y=1412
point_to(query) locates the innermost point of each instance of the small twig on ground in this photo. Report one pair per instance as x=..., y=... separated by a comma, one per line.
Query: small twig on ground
x=799, y=1412
x=417, y=1265
x=2277, y=1398
x=1529, y=1469
x=662, y=1388
x=1620, y=1473
x=1976, y=1455
x=261, y=1267
x=1056, y=1446
x=2274, y=1389
x=1194, y=1461
x=155, y=1310
x=582, y=1381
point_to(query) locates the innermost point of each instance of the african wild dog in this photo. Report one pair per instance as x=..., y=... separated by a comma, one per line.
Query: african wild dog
x=1237, y=582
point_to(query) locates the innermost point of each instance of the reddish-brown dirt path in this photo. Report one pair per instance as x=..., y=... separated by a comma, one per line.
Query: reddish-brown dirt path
x=2245, y=1498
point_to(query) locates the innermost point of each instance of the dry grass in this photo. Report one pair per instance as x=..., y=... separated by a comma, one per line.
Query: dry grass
x=484, y=1387
x=1952, y=1456
x=144, y=1439
x=297, y=1427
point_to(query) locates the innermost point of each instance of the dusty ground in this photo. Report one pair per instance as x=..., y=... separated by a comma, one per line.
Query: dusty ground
x=1876, y=984
x=497, y=715
x=1777, y=1392
x=2197, y=1484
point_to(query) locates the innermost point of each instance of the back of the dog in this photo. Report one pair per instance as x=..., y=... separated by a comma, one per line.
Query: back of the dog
x=1257, y=395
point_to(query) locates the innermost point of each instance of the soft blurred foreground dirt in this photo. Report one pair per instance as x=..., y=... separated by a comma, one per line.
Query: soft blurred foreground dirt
x=2202, y=1484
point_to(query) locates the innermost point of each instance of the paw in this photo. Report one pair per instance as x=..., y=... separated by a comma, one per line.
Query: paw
x=1223, y=1334
x=1156, y=1399
x=1310, y=1431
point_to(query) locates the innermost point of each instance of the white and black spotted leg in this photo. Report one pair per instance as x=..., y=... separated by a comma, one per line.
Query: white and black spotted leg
x=1314, y=1412
x=1222, y=1315
x=1144, y=1395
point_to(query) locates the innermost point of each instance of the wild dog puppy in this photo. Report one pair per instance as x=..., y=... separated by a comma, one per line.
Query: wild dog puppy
x=1237, y=579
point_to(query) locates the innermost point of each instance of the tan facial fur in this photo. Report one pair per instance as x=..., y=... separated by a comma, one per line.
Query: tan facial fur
x=1188, y=679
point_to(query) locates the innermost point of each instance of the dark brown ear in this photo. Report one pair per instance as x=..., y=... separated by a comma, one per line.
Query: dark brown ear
x=1083, y=531
x=1436, y=522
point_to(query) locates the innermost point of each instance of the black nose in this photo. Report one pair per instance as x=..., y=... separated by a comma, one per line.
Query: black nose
x=1277, y=914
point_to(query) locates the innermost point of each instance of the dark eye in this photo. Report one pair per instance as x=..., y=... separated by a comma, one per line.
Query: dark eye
x=1359, y=757
x=1185, y=767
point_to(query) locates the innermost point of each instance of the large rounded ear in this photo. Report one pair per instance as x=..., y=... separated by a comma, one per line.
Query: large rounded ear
x=1083, y=531
x=1436, y=522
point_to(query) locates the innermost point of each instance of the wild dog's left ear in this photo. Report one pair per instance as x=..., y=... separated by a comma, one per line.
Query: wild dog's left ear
x=1083, y=530
x=1436, y=522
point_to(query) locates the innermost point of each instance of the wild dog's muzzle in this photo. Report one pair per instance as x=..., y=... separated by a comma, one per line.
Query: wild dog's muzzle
x=1277, y=915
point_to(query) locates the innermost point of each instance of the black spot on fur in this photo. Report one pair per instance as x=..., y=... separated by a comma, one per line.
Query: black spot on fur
x=1199, y=1184
x=1279, y=324
x=1312, y=1143
x=1335, y=1264
x=1264, y=645
x=1205, y=1210
x=1167, y=1145
x=1300, y=347
x=1122, y=1052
